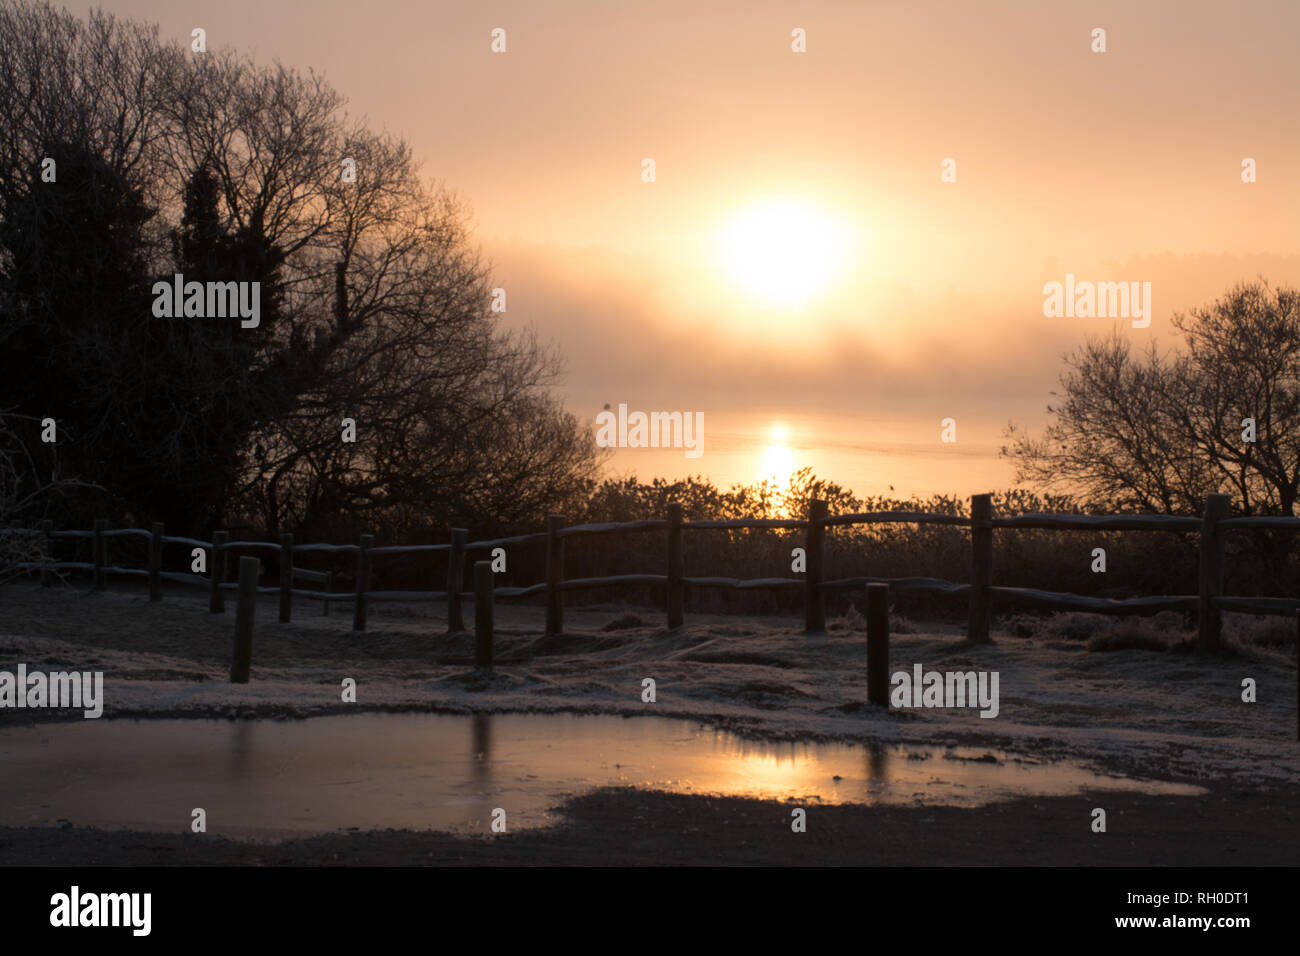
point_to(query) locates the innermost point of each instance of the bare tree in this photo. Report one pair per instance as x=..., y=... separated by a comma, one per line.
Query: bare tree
x=27, y=496
x=379, y=306
x=1158, y=432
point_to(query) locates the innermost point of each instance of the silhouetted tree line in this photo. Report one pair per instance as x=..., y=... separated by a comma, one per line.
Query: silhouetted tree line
x=374, y=305
x=1152, y=431
x=1138, y=562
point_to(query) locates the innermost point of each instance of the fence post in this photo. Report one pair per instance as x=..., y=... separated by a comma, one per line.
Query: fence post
x=242, y=658
x=814, y=602
x=981, y=568
x=286, y=577
x=363, y=583
x=155, y=561
x=483, y=597
x=47, y=537
x=878, y=644
x=456, y=580
x=1210, y=617
x=675, y=616
x=554, y=574
x=100, y=548
x=217, y=573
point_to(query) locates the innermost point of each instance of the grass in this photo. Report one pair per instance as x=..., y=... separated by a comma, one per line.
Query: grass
x=1158, y=633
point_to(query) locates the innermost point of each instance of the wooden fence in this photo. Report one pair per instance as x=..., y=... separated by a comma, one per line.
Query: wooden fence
x=1209, y=602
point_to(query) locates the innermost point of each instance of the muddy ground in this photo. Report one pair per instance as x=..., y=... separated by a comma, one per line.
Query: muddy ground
x=640, y=828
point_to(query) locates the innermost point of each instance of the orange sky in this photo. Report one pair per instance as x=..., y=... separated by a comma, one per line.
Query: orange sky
x=1120, y=166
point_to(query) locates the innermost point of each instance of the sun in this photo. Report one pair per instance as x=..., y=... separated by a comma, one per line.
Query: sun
x=782, y=251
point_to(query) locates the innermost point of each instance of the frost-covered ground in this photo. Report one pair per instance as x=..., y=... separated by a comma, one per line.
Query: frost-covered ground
x=1172, y=714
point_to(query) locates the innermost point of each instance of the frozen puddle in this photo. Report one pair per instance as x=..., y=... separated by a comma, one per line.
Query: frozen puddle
x=260, y=779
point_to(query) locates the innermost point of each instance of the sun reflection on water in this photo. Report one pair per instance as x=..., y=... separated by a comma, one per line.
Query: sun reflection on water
x=777, y=463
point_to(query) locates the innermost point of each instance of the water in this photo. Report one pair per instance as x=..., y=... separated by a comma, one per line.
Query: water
x=266, y=780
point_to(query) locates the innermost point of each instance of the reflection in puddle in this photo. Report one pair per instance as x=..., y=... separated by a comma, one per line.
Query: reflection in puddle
x=261, y=779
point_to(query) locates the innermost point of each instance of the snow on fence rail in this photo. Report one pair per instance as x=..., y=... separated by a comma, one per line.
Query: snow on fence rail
x=1209, y=601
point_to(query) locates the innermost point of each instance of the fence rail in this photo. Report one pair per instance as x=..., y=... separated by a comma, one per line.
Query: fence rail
x=1209, y=601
